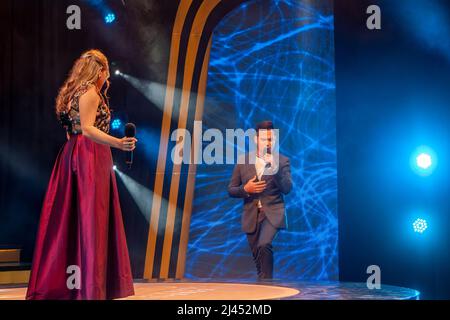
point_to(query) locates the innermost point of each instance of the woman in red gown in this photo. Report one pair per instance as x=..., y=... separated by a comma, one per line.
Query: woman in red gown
x=81, y=250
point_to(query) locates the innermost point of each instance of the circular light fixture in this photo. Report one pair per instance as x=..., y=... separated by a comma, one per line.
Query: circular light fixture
x=110, y=17
x=420, y=225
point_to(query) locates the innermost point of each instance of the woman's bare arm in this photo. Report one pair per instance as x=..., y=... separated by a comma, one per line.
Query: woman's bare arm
x=88, y=110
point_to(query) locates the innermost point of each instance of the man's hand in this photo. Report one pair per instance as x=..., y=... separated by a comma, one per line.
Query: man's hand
x=254, y=186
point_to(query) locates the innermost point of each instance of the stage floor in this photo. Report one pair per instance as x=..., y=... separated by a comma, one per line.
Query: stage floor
x=238, y=290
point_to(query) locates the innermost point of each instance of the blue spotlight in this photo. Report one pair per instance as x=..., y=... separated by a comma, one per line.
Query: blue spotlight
x=114, y=167
x=423, y=161
x=420, y=225
x=110, y=17
x=116, y=124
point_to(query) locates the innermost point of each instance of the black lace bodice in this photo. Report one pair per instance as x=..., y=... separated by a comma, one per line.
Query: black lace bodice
x=71, y=119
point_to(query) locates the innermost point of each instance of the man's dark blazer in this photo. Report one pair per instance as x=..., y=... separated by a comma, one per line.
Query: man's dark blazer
x=271, y=198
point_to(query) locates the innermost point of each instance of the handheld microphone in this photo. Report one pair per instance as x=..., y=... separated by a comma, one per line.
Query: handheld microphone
x=130, y=132
x=268, y=151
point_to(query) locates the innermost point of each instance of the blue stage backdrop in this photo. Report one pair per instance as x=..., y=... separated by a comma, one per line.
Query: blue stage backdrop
x=272, y=60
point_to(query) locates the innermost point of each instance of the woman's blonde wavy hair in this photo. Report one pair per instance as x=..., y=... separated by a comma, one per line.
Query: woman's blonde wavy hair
x=85, y=71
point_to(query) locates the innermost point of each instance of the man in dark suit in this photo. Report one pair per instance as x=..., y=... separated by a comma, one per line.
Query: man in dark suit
x=261, y=180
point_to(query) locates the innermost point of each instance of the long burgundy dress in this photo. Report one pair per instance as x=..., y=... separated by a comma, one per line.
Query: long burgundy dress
x=81, y=221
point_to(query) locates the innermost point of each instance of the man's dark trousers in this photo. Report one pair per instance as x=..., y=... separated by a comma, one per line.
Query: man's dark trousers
x=260, y=242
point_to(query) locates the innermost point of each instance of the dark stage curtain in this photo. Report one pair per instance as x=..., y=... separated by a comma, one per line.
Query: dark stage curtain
x=35, y=57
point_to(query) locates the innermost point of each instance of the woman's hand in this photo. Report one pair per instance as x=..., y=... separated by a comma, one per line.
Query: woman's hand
x=127, y=143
